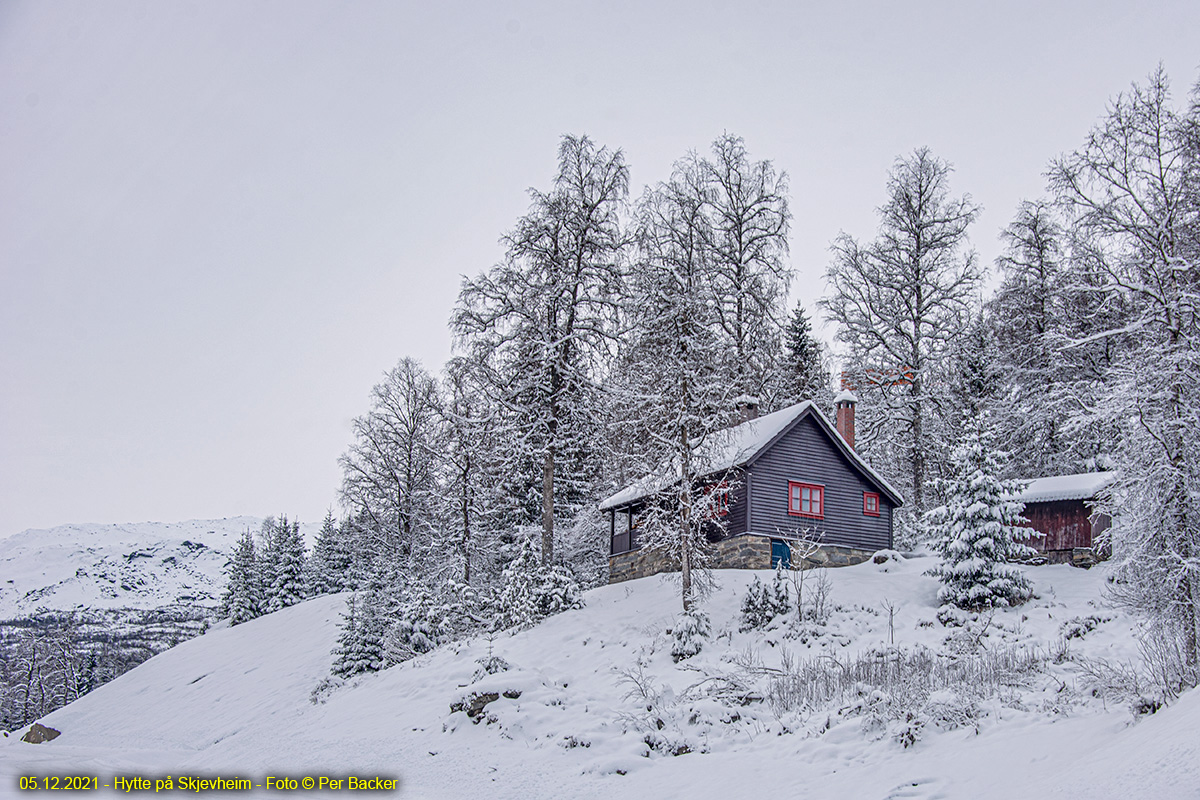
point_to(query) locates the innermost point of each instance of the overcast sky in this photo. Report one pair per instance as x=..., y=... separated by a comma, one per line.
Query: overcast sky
x=221, y=223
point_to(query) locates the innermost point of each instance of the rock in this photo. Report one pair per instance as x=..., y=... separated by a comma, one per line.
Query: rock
x=39, y=733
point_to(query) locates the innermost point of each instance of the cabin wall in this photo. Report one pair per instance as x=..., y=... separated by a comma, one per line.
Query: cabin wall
x=806, y=454
x=1067, y=524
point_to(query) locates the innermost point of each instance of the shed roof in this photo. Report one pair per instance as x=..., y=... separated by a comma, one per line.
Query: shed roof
x=741, y=444
x=1082, y=486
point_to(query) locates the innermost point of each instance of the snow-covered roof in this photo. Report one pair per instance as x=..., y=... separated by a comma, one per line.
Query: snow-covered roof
x=736, y=446
x=1083, y=486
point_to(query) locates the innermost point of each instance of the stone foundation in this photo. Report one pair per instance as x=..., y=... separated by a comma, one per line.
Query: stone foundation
x=748, y=551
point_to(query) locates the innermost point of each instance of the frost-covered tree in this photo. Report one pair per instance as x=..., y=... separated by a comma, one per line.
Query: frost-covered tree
x=243, y=599
x=900, y=302
x=473, y=503
x=980, y=529
x=328, y=569
x=746, y=237
x=803, y=372
x=671, y=386
x=360, y=646
x=1044, y=319
x=542, y=325
x=1132, y=197
x=389, y=474
x=531, y=590
x=285, y=553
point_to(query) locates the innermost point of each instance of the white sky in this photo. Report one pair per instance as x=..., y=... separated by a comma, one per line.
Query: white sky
x=221, y=222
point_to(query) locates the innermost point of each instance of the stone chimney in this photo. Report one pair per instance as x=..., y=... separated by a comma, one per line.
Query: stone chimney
x=844, y=402
x=747, y=407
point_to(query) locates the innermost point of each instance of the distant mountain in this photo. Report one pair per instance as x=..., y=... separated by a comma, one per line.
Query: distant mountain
x=128, y=565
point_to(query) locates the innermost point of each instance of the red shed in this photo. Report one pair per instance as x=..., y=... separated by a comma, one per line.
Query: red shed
x=1062, y=508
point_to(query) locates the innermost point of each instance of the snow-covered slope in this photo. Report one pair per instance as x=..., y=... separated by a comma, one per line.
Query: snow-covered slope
x=235, y=701
x=132, y=565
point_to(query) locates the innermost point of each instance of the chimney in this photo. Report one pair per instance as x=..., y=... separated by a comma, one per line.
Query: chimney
x=747, y=407
x=844, y=402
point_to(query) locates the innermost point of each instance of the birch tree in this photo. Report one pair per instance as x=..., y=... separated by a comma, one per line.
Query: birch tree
x=543, y=324
x=899, y=302
x=673, y=379
x=1132, y=195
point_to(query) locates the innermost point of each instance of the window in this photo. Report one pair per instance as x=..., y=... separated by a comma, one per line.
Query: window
x=806, y=499
x=716, y=500
x=871, y=504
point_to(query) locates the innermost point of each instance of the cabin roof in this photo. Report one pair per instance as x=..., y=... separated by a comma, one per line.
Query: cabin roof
x=1082, y=486
x=739, y=446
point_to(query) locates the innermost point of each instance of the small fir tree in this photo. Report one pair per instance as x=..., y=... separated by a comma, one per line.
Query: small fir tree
x=286, y=586
x=360, y=645
x=531, y=592
x=243, y=596
x=980, y=528
x=328, y=569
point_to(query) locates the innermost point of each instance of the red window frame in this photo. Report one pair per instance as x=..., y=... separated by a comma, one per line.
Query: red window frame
x=871, y=504
x=722, y=505
x=796, y=499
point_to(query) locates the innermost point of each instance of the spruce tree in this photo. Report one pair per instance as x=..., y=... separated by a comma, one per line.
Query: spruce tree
x=804, y=374
x=327, y=570
x=286, y=587
x=243, y=596
x=980, y=528
x=360, y=645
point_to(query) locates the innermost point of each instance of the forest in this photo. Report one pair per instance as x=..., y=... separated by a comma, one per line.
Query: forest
x=620, y=331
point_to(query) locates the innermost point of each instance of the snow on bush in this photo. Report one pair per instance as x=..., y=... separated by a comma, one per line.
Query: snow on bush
x=688, y=635
x=761, y=605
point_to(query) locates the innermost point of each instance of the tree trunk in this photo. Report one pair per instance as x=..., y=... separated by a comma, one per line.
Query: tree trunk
x=548, y=507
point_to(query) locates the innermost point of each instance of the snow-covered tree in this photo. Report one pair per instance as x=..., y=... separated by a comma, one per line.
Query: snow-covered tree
x=389, y=474
x=243, y=599
x=1044, y=319
x=900, y=302
x=803, y=373
x=473, y=503
x=360, y=646
x=980, y=529
x=671, y=386
x=328, y=569
x=531, y=590
x=1132, y=196
x=285, y=554
x=746, y=237
x=542, y=325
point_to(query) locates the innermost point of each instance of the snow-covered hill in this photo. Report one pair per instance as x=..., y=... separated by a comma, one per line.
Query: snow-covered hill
x=131, y=565
x=236, y=701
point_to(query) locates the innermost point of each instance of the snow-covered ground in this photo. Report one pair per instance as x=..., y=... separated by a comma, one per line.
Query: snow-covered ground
x=131, y=565
x=236, y=701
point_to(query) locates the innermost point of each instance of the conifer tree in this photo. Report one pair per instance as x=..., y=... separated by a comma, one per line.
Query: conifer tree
x=286, y=587
x=803, y=372
x=243, y=596
x=980, y=529
x=360, y=646
x=328, y=569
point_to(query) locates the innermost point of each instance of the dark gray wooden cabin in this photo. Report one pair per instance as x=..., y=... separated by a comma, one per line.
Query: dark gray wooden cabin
x=790, y=475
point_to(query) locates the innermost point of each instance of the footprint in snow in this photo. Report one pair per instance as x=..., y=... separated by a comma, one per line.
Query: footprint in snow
x=919, y=789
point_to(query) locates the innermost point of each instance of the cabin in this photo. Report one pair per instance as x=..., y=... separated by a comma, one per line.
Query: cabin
x=1063, y=509
x=782, y=478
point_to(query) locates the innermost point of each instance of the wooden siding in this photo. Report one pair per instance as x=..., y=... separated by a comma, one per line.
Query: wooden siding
x=1066, y=523
x=804, y=453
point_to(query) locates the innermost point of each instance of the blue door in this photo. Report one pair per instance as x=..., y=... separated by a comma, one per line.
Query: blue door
x=780, y=554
